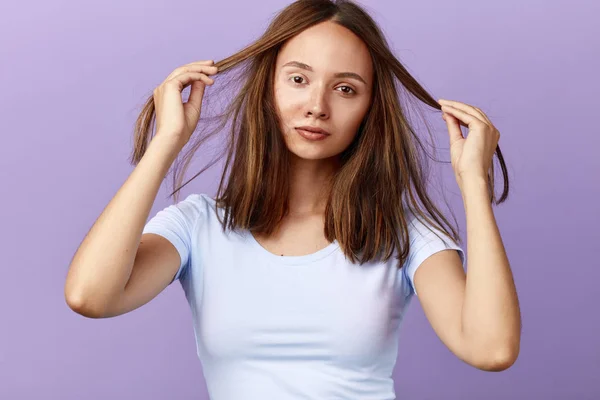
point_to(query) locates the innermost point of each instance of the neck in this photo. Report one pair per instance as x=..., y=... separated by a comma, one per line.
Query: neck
x=310, y=182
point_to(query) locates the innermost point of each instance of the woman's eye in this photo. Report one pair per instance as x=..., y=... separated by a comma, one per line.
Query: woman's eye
x=348, y=91
x=348, y=87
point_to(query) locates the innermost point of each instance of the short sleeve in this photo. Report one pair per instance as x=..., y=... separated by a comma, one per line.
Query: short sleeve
x=424, y=243
x=176, y=224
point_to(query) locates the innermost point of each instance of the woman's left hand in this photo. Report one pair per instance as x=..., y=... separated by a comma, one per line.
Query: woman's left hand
x=471, y=156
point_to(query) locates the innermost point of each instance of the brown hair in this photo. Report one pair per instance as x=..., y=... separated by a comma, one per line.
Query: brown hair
x=382, y=171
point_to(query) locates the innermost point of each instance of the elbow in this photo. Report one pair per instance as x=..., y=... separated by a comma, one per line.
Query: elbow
x=82, y=307
x=499, y=359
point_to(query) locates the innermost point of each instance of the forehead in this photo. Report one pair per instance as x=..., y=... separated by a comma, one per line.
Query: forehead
x=328, y=48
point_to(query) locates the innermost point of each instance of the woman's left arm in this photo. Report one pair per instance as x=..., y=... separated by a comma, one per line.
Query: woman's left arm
x=476, y=315
x=491, y=320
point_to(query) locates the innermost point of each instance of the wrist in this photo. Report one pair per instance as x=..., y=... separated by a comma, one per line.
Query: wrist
x=166, y=145
x=473, y=186
x=473, y=179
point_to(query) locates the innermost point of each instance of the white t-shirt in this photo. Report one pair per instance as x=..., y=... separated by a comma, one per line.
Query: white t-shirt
x=289, y=327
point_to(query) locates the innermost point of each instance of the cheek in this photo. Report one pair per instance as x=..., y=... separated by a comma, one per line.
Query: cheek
x=289, y=105
x=287, y=98
x=352, y=115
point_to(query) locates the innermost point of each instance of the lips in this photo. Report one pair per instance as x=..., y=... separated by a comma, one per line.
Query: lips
x=313, y=129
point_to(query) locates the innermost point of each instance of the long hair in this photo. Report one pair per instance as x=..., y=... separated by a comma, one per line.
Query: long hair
x=383, y=173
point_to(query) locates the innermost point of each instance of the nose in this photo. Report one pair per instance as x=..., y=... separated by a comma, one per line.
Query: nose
x=317, y=104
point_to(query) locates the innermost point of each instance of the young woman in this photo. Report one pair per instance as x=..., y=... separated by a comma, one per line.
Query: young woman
x=299, y=272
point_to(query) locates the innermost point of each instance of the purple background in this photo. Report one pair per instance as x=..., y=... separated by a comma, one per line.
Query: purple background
x=74, y=76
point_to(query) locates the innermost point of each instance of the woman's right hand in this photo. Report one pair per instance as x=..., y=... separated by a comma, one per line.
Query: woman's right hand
x=174, y=119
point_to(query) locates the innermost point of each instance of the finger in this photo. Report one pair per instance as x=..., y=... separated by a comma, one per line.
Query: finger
x=444, y=115
x=462, y=115
x=202, y=62
x=196, y=95
x=209, y=63
x=185, y=79
x=206, y=69
x=466, y=108
x=483, y=115
x=454, y=130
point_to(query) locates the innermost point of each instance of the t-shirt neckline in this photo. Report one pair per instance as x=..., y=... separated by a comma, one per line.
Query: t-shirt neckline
x=292, y=260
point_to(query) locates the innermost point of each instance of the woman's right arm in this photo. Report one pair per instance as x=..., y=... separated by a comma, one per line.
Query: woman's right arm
x=103, y=263
x=113, y=270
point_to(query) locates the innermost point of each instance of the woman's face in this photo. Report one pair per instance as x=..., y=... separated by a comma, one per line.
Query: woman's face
x=323, y=79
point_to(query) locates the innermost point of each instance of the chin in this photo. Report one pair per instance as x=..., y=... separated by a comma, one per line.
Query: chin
x=310, y=154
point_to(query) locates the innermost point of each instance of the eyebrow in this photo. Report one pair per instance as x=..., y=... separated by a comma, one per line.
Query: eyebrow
x=352, y=75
